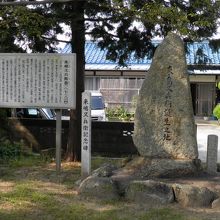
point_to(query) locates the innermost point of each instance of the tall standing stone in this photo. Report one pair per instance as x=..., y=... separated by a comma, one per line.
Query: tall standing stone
x=164, y=121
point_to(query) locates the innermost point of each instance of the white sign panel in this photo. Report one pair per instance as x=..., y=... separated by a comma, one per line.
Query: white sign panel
x=86, y=134
x=37, y=80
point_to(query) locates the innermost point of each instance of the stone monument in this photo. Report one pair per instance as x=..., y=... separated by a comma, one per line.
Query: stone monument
x=165, y=131
x=165, y=136
x=164, y=121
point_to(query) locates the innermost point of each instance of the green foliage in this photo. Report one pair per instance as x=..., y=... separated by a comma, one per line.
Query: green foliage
x=201, y=57
x=216, y=111
x=124, y=27
x=121, y=26
x=24, y=160
x=119, y=112
x=9, y=150
x=23, y=28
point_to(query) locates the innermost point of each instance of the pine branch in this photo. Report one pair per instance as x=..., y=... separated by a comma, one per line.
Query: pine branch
x=98, y=19
x=112, y=35
x=55, y=39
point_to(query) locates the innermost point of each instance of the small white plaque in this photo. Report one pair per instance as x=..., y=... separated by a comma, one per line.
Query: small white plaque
x=86, y=134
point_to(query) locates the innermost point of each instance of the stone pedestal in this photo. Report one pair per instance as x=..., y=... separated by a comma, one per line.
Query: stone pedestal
x=145, y=168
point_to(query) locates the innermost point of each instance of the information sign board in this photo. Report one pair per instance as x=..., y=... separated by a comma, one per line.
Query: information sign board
x=37, y=80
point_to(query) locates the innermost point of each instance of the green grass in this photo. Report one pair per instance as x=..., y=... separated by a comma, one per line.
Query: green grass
x=27, y=161
x=165, y=213
x=30, y=190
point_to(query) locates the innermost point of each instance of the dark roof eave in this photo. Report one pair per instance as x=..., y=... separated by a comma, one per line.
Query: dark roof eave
x=204, y=67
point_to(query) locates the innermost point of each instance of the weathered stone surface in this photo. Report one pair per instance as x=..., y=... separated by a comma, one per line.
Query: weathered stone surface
x=142, y=167
x=106, y=170
x=212, y=154
x=164, y=122
x=191, y=196
x=98, y=187
x=216, y=204
x=149, y=191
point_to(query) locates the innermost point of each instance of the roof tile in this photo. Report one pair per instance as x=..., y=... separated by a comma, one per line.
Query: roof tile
x=96, y=57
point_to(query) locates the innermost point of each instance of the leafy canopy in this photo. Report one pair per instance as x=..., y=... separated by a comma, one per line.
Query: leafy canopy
x=23, y=28
x=129, y=26
x=121, y=26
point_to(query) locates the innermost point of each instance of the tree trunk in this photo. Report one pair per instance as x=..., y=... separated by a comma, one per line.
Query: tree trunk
x=73, y=152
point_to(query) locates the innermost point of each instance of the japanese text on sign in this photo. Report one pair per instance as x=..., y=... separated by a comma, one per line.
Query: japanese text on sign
x=37, y=80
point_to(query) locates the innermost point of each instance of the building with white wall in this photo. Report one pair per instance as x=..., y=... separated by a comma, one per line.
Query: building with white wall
x=120, y=86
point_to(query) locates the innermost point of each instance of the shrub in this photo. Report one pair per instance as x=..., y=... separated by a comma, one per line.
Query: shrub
x=120, y=112
x=216, y=111
x=9, y=150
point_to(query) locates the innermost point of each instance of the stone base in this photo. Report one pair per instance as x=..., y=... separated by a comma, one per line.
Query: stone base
x=141, y=167
x=155, y=181
x=102, y=188
x=149, y=190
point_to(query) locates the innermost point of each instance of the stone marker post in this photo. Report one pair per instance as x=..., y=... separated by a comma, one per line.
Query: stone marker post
x=212, y=153
x=86, y=135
